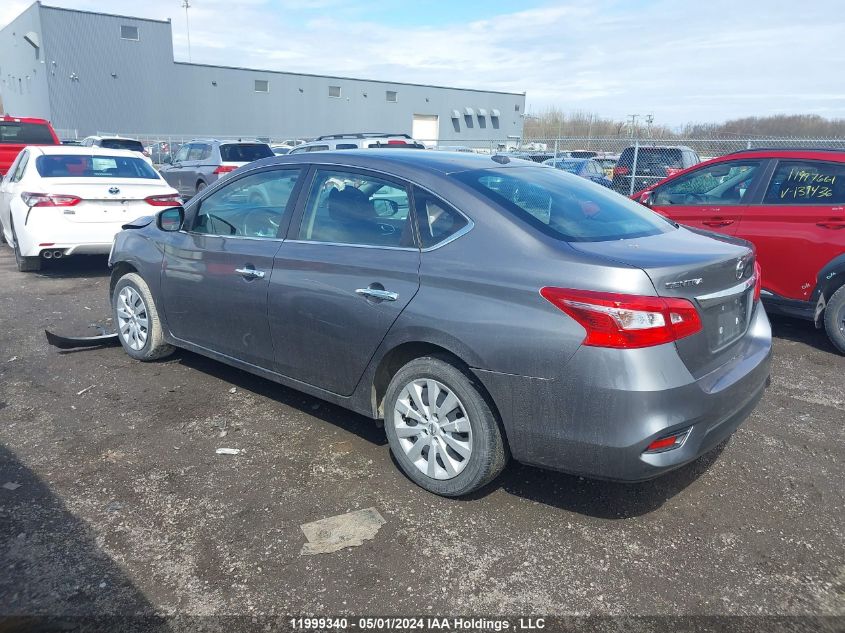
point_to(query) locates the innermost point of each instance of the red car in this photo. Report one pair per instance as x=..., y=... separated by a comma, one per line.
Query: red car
x=791, y=205
x=16, y=133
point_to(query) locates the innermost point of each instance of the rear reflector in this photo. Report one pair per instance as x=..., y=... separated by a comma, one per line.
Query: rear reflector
x=164, y=201
x=49, y=200
x=667, y=443
x=621, y=171
x=225, y=169
x=758, y=281
x=626, y=321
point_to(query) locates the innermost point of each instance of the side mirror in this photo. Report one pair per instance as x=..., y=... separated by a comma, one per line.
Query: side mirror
x=167, y=159
x=386, y=208
x=171, y=220
x=647, y=198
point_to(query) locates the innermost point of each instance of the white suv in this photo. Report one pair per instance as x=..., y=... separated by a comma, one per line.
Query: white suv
x=358, y=141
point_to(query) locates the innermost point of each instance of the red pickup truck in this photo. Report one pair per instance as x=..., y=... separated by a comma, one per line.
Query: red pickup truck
x=17, y=132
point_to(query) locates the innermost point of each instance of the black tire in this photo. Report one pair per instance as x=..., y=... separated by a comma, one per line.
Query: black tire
x=834, y=319
x=488, y=456
x=153, y=346
x=2, y=234
x=24, y=264
x=200, y=186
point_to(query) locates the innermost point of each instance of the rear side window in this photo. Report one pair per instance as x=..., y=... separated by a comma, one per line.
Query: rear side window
x=346, y=146
x=437, y=220
x=564, y=206
x=79, y=166
x=25, y=133
x=244, y=152
x=122, y=143
x=806, y=182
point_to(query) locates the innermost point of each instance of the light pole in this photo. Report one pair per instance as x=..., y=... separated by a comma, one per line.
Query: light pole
x=187, y=5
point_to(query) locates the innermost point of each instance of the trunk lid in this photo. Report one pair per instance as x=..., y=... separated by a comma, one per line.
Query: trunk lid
x=713, y=271
x=115, y=200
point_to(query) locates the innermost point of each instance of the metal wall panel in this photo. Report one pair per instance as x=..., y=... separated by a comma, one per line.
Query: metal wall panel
x=23, y=71
x=100, y=82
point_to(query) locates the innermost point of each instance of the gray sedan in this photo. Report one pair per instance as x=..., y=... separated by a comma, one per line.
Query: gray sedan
x=482, y=308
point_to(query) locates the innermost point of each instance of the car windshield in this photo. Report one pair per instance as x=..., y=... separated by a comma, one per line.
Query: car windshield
x=122, y=143
x=80, y=166
x=244, y=152
x=25, y=133
x=665, y=156
x=564, y=206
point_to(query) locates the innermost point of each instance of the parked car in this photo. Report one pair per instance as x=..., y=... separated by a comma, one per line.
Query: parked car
x=280, y=150
x=201, y=162
x=653, y=164
x=17, y=132
x=585, y=167
x=581, y=153
x=162, y=152
x=481, y=307
x=791, y=205
x=63, y=200
x=607, y=164
x=117, y=142
x=357, y=141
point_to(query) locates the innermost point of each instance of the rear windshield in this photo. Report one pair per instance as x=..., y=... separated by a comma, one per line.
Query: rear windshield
x=568, y=165
x=25, y=133
x=244, y=152
x=582, y=154
x=77, y=166
x=122, y=143
x=665, y=156
x=564, y=206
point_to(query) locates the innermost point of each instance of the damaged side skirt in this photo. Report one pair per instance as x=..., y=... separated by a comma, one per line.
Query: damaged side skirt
x=73, y=342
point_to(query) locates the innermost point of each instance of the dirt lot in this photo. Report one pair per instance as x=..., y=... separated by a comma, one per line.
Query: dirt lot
x=124, y=507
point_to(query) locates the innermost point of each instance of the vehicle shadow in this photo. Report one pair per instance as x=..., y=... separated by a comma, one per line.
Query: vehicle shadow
x=75, y=266
x=800, y=331
x=54, y=573
x=601, y=499
x=595, y=498
x=360, y=425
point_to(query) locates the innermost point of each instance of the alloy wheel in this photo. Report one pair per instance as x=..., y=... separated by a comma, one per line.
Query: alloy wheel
x=433, y=428
x=132, y=318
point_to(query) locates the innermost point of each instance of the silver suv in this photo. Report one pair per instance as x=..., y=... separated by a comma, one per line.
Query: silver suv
x=203, y=161
x=358, y=141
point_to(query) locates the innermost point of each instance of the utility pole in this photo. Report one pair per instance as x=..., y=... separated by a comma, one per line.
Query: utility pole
x=187, y=5
x=649, y=119
x=633, y=120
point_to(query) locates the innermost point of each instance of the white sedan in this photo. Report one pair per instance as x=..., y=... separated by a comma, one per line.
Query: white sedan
x=62, y=200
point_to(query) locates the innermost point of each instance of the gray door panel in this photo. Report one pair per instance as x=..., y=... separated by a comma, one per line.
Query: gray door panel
x=324, y=332
x=209, y=303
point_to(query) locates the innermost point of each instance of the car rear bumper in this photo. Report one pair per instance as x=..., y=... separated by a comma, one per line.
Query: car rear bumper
x=598, y=418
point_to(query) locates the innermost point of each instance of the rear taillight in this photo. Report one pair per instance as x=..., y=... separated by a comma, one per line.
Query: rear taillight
x=621, y=171
x=758, y=281
x=49, y=200
x=396, y=143
x=626, y=321
x=225, y=169
x=164, y=201
x=671, y=171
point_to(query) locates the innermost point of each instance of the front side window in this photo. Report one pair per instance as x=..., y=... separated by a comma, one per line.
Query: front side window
x=350, y=208
x=564, y=206
x=806, y=182
x=252, y=206
x=81, y=166
x=182, y=154
x=437, y=220
x=721, y=184
x=20, y=167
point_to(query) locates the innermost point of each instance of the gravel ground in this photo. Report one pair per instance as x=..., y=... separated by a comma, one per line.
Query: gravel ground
x=123, y=506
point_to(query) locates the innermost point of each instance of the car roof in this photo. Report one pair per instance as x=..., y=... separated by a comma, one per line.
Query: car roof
x=826, y=153
x=406, y=159
x=21, y=119
x=81, y=150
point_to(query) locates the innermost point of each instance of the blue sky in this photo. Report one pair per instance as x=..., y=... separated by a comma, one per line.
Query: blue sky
x=705, y=60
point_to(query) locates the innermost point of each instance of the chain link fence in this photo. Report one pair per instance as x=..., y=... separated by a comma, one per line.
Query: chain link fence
x=628, y=164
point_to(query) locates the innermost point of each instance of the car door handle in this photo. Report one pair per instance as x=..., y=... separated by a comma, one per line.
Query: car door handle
x=250, y=273
x=833, y=224
x=718, y=222
x=376, y=293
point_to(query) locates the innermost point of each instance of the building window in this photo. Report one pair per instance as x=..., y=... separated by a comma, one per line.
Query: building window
x=129, y=33
x=334, y=91
x=262, y=85
x=516, y=108
x=391, y=96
